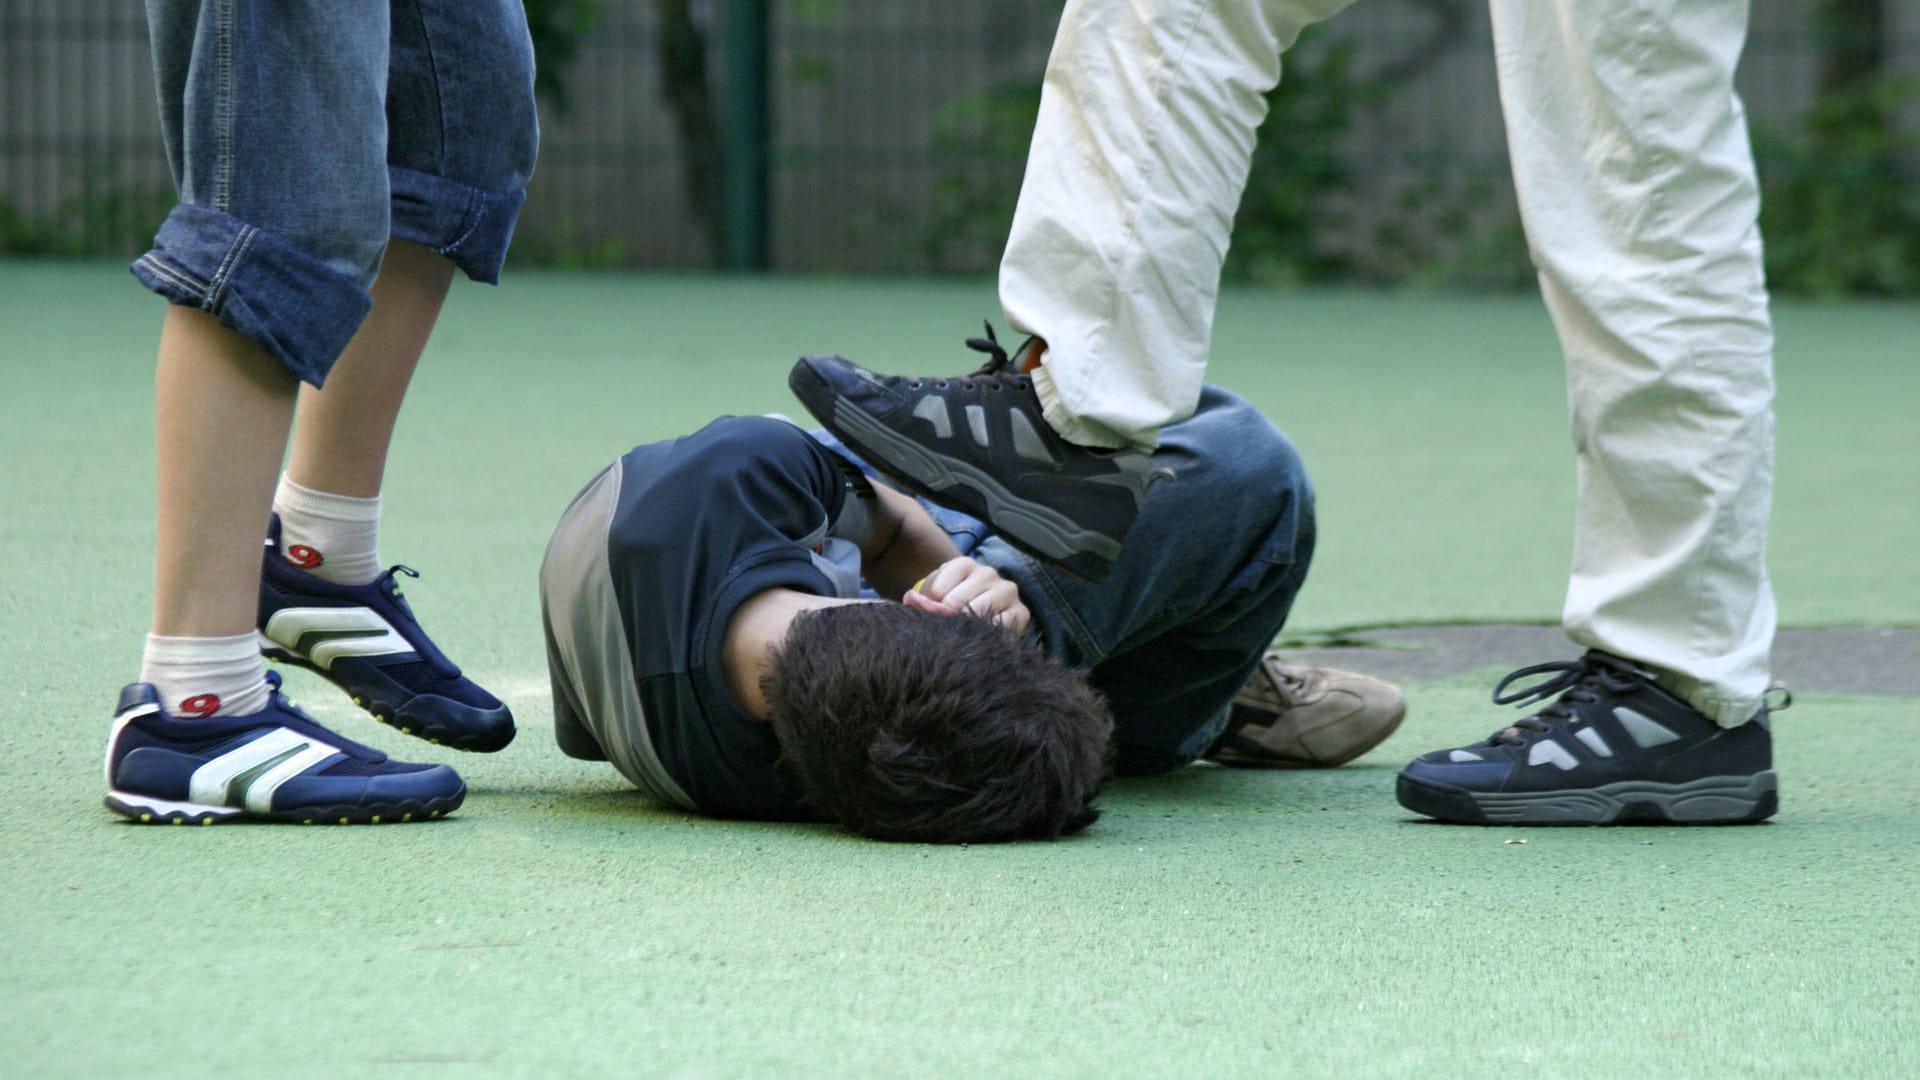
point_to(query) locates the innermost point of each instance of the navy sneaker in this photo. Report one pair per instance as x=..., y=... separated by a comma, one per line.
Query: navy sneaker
x=1614, y=749
x=980, y=444
x=365, y=640
x=275, y=765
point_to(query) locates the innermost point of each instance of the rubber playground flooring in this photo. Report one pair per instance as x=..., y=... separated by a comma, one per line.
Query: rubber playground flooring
x=1213, y=923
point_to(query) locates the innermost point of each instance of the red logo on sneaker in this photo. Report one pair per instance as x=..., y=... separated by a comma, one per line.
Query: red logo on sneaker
x=304, y=557
x=200, y=706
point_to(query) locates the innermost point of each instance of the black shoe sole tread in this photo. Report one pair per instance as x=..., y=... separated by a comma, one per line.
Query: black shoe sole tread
x=1716, y=800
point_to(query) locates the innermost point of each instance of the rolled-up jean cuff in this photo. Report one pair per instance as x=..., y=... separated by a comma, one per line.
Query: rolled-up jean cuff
x=467, y=224
x=258, y=283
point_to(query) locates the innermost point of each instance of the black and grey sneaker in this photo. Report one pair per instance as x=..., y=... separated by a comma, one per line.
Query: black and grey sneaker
x=1614, y=749
x=979, y=443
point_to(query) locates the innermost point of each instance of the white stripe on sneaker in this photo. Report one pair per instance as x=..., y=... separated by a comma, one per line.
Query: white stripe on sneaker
x=325, y=634
x=248, y=775
x=259, y=793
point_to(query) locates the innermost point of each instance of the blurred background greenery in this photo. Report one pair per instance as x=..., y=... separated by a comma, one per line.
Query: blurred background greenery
x=888, y=137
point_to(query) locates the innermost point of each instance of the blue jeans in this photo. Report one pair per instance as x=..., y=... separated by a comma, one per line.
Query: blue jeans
x=303, y=133
x=1205, y=580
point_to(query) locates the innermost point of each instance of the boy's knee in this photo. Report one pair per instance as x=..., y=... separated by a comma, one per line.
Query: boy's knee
x=1241, y=459
x=1253, y=451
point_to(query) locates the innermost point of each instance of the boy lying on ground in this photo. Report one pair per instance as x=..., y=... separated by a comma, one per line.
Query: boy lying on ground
x=746, y=625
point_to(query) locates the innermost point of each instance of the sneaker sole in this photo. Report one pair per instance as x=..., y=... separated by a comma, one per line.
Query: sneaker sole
x=147, y=810
x=485, y=741
x=1713, y=800
x=1040, y=531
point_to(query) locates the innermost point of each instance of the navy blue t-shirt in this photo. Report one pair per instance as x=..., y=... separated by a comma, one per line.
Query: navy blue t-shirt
x=702, y=523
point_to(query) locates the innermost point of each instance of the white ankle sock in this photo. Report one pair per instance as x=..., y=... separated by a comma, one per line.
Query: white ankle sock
x=198, y=677
x=333, y=537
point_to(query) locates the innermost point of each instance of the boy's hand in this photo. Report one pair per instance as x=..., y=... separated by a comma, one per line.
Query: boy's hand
x=962, y=585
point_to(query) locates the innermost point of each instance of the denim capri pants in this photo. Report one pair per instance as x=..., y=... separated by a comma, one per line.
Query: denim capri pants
x=304, y=133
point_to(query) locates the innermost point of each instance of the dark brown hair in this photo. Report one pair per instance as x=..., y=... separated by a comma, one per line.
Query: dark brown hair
x=909, y=725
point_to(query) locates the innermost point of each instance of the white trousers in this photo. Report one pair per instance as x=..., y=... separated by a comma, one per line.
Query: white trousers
x=1636, y=186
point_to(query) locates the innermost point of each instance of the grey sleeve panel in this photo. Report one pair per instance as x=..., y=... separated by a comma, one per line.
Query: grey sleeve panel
x=569, y=723
x=589, y=659
x=856, y=520
x=839, y=560
x=836, y=556
x=858, y=510
x=837, y=553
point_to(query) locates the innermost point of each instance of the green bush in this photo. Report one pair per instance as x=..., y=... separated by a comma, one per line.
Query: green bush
x=1280, y=234
x=981, y=144
x=1840, y=208
x=557, y=28
x=1293, y=209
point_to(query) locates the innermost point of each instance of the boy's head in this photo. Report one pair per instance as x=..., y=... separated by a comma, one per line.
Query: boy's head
x=909, y=725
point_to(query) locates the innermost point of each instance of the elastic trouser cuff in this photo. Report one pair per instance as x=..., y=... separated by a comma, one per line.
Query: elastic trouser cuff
x=467, y=224
x=1080, y=430
x=1715, y=703
x=255, y=282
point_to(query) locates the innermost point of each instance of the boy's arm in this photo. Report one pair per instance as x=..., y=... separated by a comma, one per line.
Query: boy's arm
x=904, y=544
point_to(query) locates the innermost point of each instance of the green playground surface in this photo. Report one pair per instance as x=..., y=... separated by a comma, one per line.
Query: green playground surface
x=1213, y=923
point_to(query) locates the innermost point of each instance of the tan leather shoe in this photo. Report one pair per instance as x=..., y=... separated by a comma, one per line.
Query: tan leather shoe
x=1292, y=717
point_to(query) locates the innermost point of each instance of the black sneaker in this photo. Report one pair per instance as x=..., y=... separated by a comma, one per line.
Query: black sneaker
x=1614, y=749
x=979, y=443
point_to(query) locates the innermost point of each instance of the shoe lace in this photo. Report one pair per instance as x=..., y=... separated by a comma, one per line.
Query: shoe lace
x=1575, y=681
x=997, y=359
x=301, y=722
x=391, y=586
x=428, y=653
x=1291, y=684
x=998, y=373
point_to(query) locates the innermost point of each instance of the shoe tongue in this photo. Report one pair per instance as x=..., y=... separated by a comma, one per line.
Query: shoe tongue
x=1288, y=688
x=1029, y=356
x=1516, y=733
x=1301, y=680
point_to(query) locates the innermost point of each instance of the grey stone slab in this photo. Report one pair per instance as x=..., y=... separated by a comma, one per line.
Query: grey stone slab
x=1838, y=661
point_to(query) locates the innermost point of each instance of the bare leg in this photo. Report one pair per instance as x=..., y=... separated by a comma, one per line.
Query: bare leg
x=221, y=412
x=341, y=436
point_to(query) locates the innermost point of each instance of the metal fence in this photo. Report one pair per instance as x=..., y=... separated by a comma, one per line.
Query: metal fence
x=892, y=132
